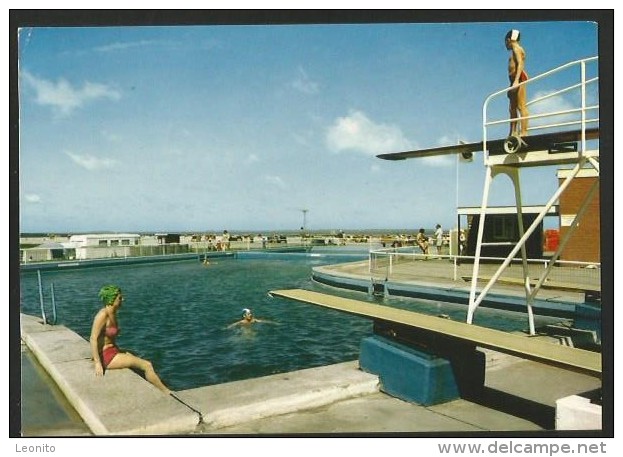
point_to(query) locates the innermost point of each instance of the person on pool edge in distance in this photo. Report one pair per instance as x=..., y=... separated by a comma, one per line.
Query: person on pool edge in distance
x=517, y=74
x=106, y=354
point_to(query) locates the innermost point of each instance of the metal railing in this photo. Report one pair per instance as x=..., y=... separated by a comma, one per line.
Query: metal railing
x=409, y=264
x=580, y=112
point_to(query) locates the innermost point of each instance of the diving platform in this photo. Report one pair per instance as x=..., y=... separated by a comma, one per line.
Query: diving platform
x=568, y=136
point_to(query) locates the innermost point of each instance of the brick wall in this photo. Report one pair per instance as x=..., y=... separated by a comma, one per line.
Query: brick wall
x=584, y=244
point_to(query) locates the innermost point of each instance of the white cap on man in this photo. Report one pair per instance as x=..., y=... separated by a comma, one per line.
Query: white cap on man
x=513, y=35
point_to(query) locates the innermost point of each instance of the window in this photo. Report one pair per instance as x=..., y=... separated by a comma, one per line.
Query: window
x=114, y=242
x=102, y=243
x=504, y=228
x=125, y=242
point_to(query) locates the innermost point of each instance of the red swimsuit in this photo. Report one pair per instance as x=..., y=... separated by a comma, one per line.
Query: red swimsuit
x=110, y=352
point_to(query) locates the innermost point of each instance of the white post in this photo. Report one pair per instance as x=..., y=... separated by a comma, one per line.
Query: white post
x=41, y=297
x=481, y=226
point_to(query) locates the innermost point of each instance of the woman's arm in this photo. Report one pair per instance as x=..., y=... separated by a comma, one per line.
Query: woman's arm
x=518, y=56
x=96, y=330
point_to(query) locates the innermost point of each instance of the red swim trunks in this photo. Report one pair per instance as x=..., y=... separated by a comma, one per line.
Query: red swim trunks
x=108, y=354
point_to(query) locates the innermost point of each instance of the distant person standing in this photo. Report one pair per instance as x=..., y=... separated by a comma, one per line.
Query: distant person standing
x=517, y=74
x=226, y=244
x=438, y=238
x=462, y=242
x=422, y=241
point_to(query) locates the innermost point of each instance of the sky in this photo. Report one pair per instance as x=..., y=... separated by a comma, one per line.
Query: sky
x=266, y=127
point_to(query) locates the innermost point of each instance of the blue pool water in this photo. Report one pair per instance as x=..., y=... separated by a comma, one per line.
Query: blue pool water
x=176, y=315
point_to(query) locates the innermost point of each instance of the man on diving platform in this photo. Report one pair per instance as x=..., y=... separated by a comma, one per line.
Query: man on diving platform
x=516, y=75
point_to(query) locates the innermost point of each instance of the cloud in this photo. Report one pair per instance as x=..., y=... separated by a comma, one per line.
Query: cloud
x=552, y=104
x=304, y=84
x=356, y=132
x=252, y=158
x=439, y=161
x=90, y=162
x=111, y=136
x=442, y=160
x=122, y=46
x=32, y=198
x=304, y=139
x=275, y=181
x=63, y=97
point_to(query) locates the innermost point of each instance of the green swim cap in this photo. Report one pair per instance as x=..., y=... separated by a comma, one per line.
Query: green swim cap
x=109, y=293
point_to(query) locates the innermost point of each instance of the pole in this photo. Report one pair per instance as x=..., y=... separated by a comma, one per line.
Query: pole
x=53, y=304
x=41, y=297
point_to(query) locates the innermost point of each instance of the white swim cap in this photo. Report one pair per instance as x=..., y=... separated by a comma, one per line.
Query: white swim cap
x=513, y=35
x=246, y=311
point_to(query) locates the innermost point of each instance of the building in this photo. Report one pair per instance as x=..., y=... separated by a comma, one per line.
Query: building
x=48, y=250
x=501, y=230
x=584, y=244
x=103, y=245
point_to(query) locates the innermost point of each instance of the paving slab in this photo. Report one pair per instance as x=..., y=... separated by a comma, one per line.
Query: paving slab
x=374, y=413
x=238, y=402
x=382, y=414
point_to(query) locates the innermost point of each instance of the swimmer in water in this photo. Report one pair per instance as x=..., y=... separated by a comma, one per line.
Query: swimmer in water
x=248, y=319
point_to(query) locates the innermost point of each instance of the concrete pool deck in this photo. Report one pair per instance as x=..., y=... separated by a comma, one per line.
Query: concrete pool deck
x=432, y=279
x=335, y=399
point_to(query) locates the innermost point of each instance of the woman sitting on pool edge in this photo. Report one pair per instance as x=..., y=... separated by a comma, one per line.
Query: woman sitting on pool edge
x=106, y=354
x=248, y=319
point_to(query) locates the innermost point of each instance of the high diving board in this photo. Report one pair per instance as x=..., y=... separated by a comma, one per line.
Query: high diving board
x=553, y=143
x=574, y=143
x=521, y=346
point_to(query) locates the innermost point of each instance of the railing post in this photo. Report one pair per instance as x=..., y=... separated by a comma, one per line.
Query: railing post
x=53, y=304
x=41, y=297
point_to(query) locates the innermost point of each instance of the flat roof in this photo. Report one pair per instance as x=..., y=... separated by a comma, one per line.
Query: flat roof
x=528, y=209
x=106, y=235
x=583, y=173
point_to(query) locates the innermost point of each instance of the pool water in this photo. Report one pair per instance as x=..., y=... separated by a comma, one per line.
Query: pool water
x=177, y=315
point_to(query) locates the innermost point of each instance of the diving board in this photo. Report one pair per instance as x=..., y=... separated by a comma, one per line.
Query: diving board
x=517, y=345
x=555, y=143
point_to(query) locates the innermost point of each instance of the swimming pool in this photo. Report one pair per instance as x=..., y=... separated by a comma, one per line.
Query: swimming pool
x=176, y=314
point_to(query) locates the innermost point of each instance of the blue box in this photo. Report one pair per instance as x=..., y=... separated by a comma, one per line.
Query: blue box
x=416, y=375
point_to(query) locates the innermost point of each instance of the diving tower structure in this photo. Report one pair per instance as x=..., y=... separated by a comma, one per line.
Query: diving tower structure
x=563, y=130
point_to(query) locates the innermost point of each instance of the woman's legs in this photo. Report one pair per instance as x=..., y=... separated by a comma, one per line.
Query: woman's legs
x=518, y=106
x=127, y=360
x=523, y=109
